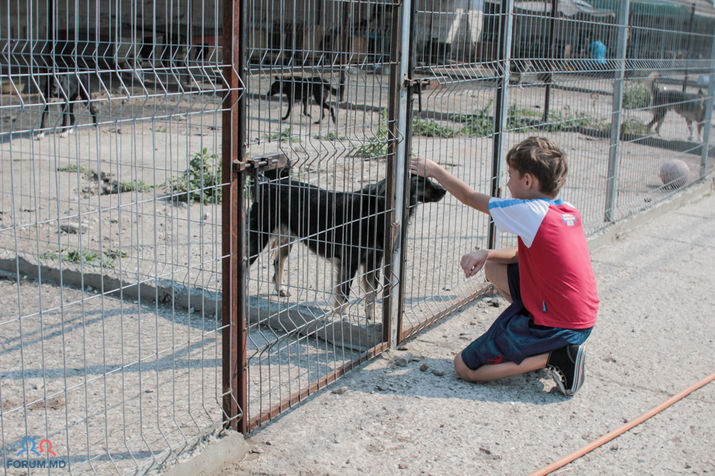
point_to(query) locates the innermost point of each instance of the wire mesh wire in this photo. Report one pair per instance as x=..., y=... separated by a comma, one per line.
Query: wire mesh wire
x=110, y=228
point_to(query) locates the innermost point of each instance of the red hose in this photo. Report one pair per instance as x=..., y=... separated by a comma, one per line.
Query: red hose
x=617, y=432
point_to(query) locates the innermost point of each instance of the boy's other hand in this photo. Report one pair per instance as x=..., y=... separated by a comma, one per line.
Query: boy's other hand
x=472, y=262
x=423, y=167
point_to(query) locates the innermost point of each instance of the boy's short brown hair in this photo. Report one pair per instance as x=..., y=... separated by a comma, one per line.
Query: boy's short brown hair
x=542, y=158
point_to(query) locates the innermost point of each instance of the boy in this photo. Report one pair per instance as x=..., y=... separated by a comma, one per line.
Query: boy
x=548, y=279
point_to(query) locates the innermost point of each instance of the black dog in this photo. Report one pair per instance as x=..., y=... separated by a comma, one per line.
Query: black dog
x=298, y=88
x=347, y=227
x=69, y=87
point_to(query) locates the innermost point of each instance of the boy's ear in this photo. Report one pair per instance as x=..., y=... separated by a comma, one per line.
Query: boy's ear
x=530, y=180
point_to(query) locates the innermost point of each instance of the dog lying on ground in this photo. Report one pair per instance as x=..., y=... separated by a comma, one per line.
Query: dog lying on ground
x=347, y=227
x=71, y=88
x=298, y=88
x=689, y=106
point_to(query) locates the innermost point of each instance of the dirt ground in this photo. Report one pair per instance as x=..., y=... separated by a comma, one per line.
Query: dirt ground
x=408, y=413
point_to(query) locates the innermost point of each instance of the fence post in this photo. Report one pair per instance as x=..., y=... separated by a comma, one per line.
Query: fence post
x=553, y=51
x=501, y=106
x=705, y=146
x=233, y=265
x=402, y=48
x=616, y=110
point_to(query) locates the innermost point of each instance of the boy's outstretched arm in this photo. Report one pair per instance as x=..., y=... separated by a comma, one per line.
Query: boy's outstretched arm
x=463, y=192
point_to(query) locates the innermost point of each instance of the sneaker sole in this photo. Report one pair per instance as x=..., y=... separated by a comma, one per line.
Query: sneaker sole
x=579, y=371
x=578, y=376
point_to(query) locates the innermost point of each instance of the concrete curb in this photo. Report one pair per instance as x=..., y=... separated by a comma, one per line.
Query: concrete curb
x=229, y=449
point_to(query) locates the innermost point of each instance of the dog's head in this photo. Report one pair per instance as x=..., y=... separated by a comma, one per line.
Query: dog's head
x=275, y=88
x=424, y=190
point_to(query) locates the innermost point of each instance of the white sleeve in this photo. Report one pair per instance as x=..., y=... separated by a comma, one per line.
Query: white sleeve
x=522, y=217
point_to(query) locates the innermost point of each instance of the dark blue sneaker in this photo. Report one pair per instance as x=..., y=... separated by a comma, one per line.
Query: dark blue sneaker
x=567, y=367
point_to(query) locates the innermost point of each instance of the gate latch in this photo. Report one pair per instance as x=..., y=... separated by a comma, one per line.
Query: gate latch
x=273, y=161
x=417, y=84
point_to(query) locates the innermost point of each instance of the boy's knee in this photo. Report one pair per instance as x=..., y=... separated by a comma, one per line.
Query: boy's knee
x=461, y=368
x=490, y=270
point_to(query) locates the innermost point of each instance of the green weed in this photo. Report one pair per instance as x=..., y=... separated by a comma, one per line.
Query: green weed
x=201, y=181
x=636, y=96
x=331, y=136
x=431, y=129
x=284, y=135
x=135, y=185
x=376, y=146
x=106, y=259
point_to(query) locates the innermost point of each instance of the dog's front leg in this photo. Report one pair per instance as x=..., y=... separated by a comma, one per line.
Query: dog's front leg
x=281, y=246
x=43, y=121
x=67, y=119
x=691, y=130
x=370, y=285
x=344, y=278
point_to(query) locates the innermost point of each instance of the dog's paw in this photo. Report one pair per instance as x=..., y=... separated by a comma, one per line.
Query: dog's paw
x=66, y=133
x=40, y=136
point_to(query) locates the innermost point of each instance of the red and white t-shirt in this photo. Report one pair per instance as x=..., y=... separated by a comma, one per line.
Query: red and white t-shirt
x=558, y=286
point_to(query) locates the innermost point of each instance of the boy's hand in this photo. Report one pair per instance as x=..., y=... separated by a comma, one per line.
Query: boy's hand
x=472, y=262
x=423, y=167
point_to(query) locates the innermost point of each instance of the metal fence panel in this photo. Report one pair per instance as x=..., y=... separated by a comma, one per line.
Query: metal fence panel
x=110, y=231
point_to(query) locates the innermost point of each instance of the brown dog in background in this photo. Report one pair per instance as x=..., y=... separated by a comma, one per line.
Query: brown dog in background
x=689, y=106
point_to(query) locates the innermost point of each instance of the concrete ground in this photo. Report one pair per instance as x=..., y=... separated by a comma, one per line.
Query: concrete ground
x=407, y=412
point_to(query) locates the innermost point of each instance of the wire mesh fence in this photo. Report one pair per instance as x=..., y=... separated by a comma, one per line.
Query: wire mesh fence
x=205, y=209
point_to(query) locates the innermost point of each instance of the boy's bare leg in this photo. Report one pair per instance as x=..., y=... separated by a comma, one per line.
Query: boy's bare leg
x=485, y=373
x=497, y=275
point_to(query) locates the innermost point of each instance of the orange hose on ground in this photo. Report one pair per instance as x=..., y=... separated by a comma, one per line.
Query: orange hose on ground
x=617, y=432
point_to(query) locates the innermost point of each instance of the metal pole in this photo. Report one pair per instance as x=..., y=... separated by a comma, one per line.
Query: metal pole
x=616, y=110
x=404, y=148
x=233, y=286
x=705, y=146
x=501, y=107
x=687, y=45
x=552, y=41
x=400, y=56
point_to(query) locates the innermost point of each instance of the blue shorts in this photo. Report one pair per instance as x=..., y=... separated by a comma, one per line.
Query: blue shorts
x=514, y=336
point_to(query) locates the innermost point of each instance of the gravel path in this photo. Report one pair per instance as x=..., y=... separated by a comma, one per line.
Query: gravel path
x=407, y=413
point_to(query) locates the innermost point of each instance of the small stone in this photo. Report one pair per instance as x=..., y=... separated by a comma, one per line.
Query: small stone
x=402, y=466
x=268, y=443
x=340, y=391
x=438, y=373
x=401, y=362
x=402, y=347
x=424, y=367
x=381, y=388
x=256, y=450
